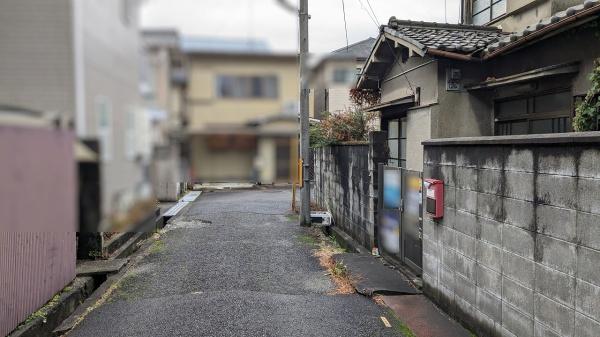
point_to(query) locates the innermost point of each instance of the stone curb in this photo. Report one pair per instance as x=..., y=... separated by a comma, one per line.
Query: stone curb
x=351, y=245
x=81, y=288
x=345, y=240
x=71, y=321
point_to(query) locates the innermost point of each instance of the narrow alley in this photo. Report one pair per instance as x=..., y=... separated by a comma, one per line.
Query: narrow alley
x=236, y=263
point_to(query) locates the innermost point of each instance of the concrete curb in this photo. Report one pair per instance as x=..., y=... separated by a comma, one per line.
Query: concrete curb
x=345, y=240
x=80, y=288
x=351, y=245
x=421, y=311
x=87, y=306
x=131, y=245
x=62, y=317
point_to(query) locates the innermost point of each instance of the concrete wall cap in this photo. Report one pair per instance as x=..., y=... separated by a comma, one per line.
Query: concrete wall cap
x=563, y=138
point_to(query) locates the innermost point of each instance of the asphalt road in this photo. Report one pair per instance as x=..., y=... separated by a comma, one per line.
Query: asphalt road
x=235, y=264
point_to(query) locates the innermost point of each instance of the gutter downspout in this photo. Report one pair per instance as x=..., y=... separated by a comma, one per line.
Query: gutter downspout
x=78, y=67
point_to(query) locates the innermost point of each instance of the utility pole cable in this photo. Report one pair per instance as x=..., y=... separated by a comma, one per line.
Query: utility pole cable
x=446, y=11
x=304, y=115
x=345, y=23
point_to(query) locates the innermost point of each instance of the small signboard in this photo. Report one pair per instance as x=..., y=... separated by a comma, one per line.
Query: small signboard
x=453, y=79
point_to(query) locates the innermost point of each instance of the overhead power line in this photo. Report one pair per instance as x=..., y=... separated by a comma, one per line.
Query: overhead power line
x=345, y=24
x=387, y=42
x=362, y=5
x=372, y=11
x=446, y=10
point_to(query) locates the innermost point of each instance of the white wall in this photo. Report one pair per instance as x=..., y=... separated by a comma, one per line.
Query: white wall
x=418, y=130
x=111, y=55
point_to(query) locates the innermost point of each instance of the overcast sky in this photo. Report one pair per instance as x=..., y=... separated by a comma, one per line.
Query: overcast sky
x=266, y=20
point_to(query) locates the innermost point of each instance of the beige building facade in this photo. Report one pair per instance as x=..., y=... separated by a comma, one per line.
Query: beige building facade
x=242, y=114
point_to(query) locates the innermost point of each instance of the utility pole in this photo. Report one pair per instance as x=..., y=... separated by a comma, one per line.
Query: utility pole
x=304, y=116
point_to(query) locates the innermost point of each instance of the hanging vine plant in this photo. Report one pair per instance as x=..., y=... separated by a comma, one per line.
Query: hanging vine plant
x=587, y=114
x=365, y=97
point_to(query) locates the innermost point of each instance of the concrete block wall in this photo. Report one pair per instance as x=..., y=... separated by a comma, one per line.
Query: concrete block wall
x=518, y=250
x=342, y=185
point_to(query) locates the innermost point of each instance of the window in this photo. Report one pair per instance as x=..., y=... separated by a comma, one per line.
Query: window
x=485, y=11
x=343, y=75
x=397, y=142
x=104, y=115
x=247, y=86
x=546, y=113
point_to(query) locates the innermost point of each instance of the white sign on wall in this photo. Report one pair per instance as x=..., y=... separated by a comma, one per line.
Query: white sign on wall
x=453, y=79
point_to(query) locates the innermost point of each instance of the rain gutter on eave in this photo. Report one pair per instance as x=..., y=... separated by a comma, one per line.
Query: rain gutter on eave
x=451, y=55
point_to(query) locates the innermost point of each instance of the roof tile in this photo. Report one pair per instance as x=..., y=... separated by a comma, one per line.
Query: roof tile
x=450, y=37
x=468, y=39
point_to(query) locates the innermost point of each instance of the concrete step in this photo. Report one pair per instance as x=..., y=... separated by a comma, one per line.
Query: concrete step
x=370, y=276
x=423, y=318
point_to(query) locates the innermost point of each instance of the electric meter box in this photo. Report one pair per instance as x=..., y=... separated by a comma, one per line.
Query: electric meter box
x=434, y=204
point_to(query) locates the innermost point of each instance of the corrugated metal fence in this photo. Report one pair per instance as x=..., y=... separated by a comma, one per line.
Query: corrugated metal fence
x=38, y=213
x=35, y=266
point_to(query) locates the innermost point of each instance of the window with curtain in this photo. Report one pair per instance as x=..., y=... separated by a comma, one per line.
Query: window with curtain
x=485, y=11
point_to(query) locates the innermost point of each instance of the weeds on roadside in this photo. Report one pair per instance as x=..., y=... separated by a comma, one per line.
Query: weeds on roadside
x=308, y=240
x=157, y=247
x=327, y=248
x=339, y=270
x=398, y=325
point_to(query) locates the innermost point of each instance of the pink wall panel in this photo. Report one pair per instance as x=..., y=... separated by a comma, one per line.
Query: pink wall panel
x=38, y=219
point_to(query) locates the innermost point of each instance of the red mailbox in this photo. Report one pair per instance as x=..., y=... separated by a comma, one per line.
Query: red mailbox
x=435, y=198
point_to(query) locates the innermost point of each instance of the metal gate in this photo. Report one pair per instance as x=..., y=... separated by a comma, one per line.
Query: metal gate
x=400, y=225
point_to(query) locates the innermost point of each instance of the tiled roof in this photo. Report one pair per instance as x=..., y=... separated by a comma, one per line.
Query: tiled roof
x=463, y=39
x=545, y=25
x=360, y=50
x=489, y=41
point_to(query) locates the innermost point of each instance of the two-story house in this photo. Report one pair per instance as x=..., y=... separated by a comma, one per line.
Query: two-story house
x=452, y=80
x=335, y=74
x=511, y=15
x=80, y=60
x=242, y=111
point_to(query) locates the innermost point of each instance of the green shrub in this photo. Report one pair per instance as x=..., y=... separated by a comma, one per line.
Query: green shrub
x=587, y=114
x=345, y=126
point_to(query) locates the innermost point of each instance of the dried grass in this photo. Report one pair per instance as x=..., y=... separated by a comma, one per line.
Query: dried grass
x=337, y=271
x=379, y=300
